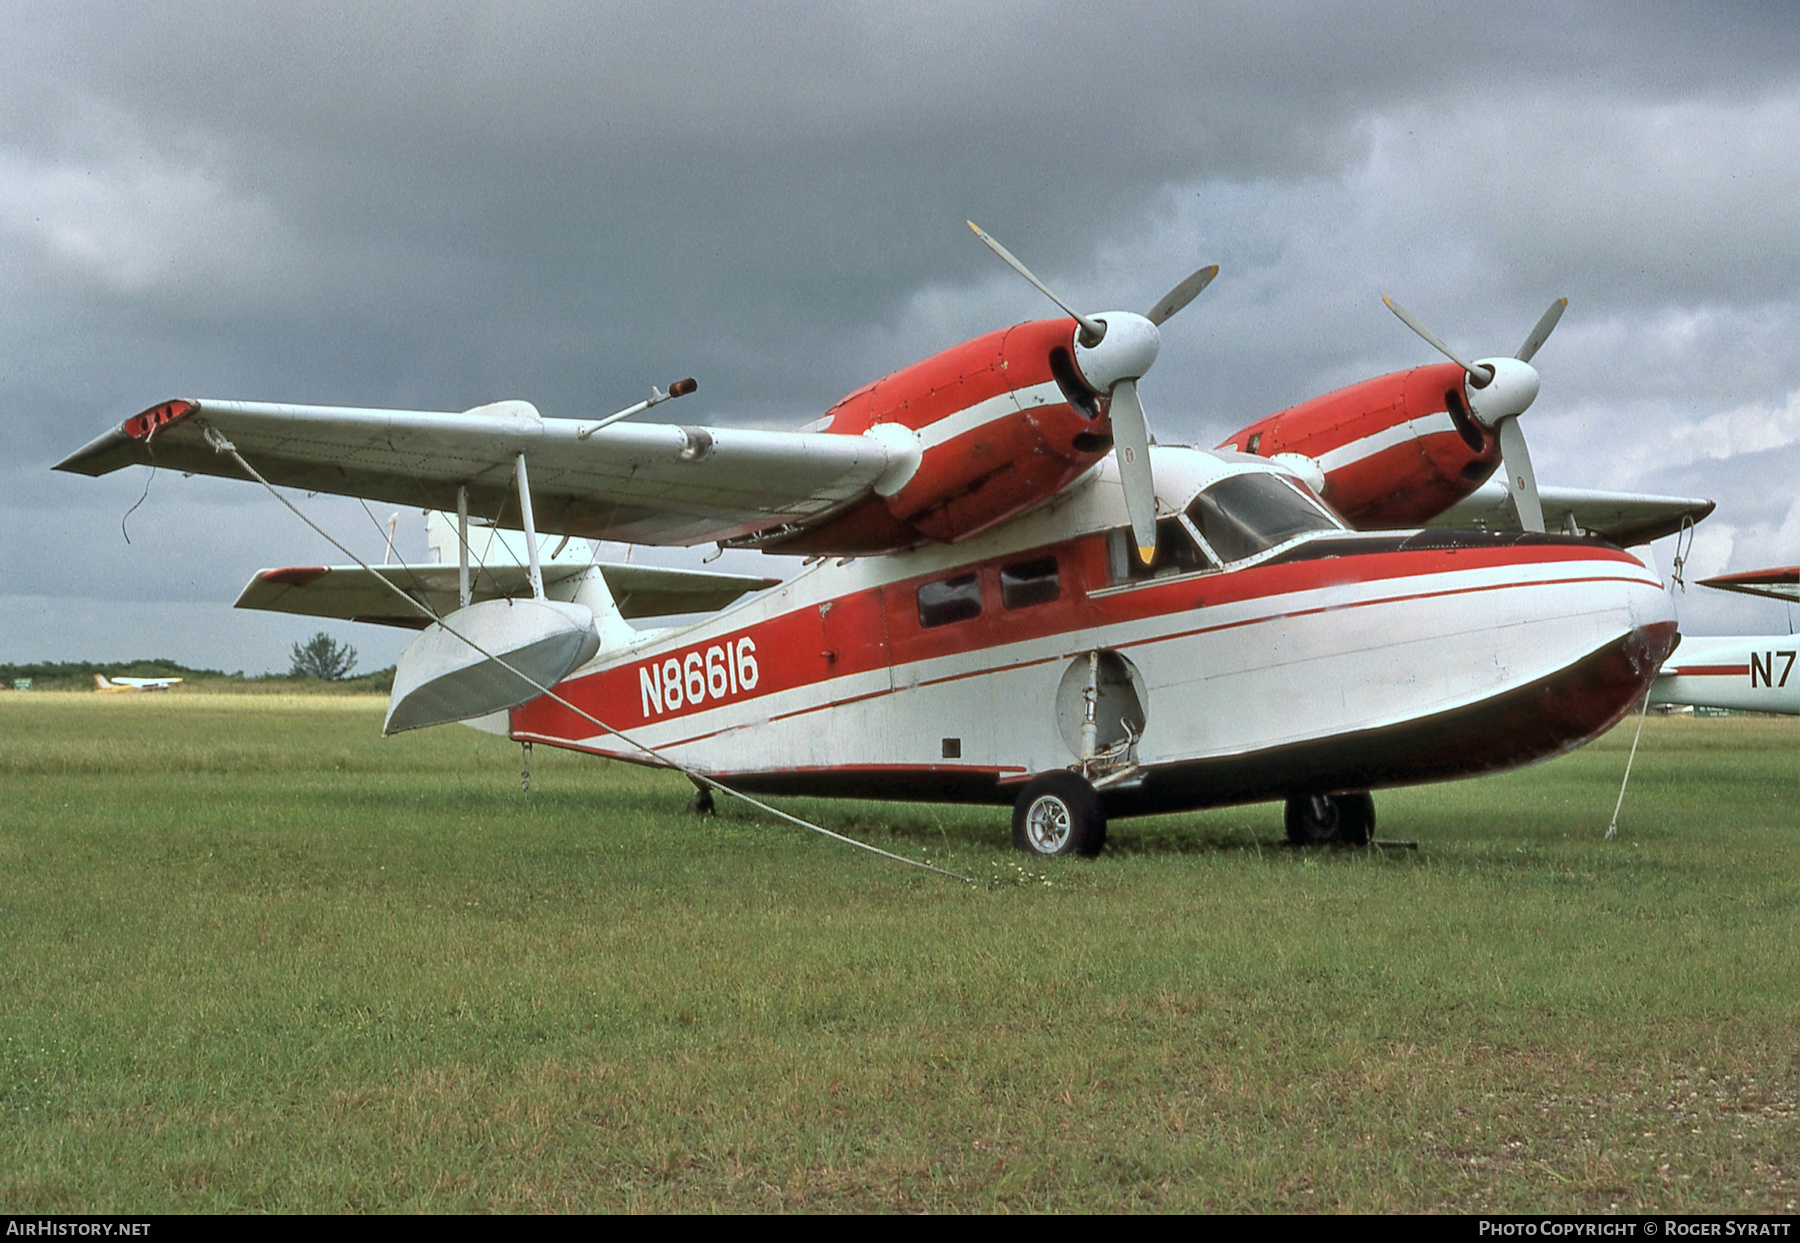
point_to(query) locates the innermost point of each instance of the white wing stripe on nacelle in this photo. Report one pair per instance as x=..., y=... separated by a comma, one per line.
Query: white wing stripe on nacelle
x=982, y=413
x=1387, y=438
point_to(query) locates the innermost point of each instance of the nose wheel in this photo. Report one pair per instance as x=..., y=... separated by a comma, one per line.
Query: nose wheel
x=1059, y=814
x=1331, y=819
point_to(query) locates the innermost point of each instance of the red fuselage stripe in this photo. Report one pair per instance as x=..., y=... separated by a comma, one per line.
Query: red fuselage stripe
x=1184, y=634
x=878, y=628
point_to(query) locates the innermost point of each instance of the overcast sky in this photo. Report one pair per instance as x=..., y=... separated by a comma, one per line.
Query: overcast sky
x=439, y=206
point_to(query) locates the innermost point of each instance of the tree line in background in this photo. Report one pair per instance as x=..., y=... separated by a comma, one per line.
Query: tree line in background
x=320, y=659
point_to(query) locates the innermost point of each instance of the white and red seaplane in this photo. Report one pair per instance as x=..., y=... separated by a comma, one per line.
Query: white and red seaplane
x=1014, y=596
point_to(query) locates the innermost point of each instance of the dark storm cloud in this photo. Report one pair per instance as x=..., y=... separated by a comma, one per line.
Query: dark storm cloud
x=440, y=205
x=590, y=195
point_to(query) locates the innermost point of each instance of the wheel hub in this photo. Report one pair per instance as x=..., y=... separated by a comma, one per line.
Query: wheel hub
x=1048, y=823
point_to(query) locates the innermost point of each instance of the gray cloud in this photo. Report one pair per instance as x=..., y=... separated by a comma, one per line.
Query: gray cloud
x=441, y=205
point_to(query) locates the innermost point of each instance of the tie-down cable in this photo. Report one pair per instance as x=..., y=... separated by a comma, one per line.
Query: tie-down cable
x=221, y=445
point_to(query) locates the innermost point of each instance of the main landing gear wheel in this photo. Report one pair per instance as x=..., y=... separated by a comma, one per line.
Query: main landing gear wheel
x=1059, y=814
x=1331, y=819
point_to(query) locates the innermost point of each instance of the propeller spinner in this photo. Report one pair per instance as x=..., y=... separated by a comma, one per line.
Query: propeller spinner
x=1113, y=350
x=1499, y=390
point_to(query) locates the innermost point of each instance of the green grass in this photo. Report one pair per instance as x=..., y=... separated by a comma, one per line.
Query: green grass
x=254, y=957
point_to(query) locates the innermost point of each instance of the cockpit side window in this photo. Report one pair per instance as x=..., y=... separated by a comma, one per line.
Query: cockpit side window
x=1241, y=515
x=1176, y=553
x=950, y=600
x=1025, y=583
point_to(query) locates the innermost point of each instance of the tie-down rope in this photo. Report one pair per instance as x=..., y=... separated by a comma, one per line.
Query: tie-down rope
x=1612, y=830
x=221, y=445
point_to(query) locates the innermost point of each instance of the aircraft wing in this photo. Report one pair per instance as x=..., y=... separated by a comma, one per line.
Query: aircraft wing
x=646, y=483
x=351, y=593
x=1625, y=518
x=1782, y=583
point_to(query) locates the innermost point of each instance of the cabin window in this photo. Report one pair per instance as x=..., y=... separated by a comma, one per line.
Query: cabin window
x=1242, y=515
x=950, y=600
x=1025, y=583
x=1254, y=444
x=1176, y=553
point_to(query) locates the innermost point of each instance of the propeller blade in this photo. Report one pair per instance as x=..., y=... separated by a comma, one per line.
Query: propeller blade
x=1480, y=376
x=1521, y=480
x=1181, y=295
x=1545, y=326
x=1131, y=441
x=1091, y=329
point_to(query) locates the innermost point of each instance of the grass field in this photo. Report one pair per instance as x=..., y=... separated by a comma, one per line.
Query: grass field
x=254, y=957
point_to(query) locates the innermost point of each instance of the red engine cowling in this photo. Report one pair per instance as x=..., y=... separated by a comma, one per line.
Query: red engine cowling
x=999, y=424
x=1395, y=451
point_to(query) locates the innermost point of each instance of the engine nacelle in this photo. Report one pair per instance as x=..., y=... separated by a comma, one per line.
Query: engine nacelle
x=977, y=434
x=1395, y=451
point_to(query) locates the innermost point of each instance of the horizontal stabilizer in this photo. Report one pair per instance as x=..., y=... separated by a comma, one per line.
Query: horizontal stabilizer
x=351, y=593
x=1625, y=518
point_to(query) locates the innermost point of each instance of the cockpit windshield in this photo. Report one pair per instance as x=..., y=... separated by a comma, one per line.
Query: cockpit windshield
x=1242, y=515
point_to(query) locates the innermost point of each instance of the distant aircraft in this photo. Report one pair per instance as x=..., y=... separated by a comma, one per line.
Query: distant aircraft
x=128, y=686
x=1781, y=583
x=1012, y=595
x=1754, y=673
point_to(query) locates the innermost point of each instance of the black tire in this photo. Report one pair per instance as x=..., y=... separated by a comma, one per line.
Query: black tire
x=1059, y=814
x=1330, y=819
x=1356, y=818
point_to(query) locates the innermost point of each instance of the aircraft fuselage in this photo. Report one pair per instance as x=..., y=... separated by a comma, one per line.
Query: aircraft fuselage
x=1333, y=661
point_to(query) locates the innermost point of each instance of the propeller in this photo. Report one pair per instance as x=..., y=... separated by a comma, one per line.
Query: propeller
x=1181, y=295
x=1113, y=350
x=1541, y=333
x=1499, y=390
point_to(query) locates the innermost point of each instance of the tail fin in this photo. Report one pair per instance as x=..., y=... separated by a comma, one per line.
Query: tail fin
x=102, y=684
x=592, y=593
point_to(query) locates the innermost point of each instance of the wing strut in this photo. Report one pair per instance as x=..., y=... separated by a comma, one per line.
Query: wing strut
x=221, y=445
x=463, y=594
x=531, y=543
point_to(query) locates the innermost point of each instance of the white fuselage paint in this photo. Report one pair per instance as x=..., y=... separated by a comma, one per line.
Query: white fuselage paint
x=1755, y=673
x=1270, y=672
x=1226, y=680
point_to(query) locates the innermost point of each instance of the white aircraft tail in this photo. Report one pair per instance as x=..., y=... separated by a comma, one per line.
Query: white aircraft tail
x=591, y=590
x=493, y=548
